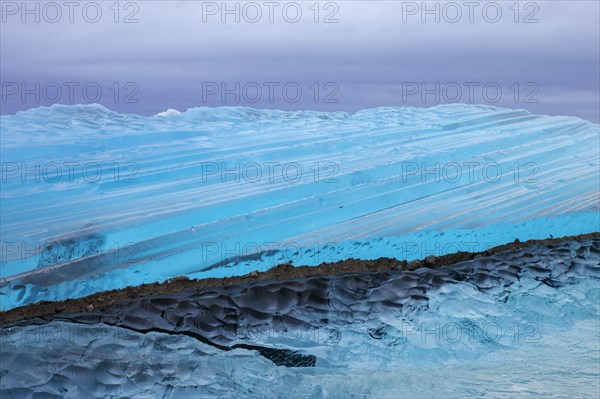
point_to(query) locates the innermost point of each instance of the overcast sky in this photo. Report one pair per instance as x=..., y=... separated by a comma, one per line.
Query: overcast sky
x=340, y=55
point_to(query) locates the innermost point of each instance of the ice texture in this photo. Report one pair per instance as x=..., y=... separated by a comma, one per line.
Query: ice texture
x=94, y=200
x=521, y=323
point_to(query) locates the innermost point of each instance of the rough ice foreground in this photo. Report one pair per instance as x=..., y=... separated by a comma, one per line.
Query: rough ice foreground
x=95, y=200
x=516, y=324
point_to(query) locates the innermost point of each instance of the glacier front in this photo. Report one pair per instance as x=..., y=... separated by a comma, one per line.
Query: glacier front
x=95, y=200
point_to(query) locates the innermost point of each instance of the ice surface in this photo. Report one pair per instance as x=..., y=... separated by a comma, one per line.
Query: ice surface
x=94, y=200
x=516, y=324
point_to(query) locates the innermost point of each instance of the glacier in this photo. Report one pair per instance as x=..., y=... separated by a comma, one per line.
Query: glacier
x=518, y=323
x=94, y=200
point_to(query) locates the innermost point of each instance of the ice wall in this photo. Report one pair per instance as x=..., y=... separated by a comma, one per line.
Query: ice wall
x=92, y=199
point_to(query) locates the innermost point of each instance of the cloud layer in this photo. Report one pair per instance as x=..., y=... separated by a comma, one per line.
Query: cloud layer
x=342, y=55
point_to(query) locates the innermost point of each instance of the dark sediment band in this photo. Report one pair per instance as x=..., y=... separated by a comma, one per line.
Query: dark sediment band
x=104, y=306
x=248, y=312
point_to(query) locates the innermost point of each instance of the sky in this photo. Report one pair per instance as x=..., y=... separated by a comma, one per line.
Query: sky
x=145, y=57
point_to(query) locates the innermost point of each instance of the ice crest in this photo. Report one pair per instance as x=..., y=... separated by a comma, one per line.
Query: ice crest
x=169, y=112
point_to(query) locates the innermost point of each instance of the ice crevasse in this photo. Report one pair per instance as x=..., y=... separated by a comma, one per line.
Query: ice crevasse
x=94, y=199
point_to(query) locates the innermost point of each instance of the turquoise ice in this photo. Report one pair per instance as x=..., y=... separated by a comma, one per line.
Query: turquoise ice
x=93, y=199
